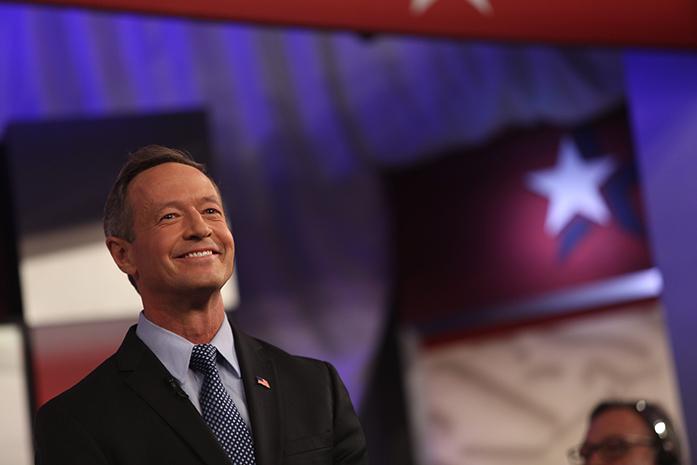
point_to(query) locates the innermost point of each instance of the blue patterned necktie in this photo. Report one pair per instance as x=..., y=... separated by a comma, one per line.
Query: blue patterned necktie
x=218, y=409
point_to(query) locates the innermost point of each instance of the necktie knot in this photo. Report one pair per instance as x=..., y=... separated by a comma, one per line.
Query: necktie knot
x=203, y=358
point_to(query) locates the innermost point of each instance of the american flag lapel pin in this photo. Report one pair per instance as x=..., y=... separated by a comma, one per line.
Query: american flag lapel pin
x=263, y=382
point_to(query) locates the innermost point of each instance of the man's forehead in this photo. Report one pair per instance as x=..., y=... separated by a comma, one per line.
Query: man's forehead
x=171, y=183
x=618, y=421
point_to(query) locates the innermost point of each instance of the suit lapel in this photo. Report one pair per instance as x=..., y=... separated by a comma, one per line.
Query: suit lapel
x=144, y=373
x=262, y=401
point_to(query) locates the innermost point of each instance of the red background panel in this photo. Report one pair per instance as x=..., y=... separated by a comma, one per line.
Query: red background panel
x=470, y=233
x=63, y=355
x=616, y=22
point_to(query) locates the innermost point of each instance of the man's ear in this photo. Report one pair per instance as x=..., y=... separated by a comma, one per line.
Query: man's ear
x=120, y=250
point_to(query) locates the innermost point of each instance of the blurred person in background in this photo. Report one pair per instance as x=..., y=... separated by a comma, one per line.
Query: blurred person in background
x=186, y=387
x=628, y=433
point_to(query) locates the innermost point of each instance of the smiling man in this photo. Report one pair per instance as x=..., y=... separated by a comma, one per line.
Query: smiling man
x=186, y=387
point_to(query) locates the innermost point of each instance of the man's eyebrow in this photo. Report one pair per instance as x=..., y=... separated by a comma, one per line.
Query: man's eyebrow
x=161, y=206
x=178, y=203
x=211, y=198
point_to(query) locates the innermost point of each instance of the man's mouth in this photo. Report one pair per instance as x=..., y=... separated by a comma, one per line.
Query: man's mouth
x=198, y=253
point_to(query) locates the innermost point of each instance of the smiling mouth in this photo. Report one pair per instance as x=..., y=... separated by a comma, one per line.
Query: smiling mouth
x=199, y=254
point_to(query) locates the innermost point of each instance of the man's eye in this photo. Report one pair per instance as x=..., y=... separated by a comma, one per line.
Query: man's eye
x=212, y=211
x=168, y=216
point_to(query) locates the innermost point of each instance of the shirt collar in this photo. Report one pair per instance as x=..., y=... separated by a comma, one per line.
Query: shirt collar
x=174, y=351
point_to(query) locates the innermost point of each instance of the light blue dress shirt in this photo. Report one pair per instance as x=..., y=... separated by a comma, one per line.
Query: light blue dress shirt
x=175, y=352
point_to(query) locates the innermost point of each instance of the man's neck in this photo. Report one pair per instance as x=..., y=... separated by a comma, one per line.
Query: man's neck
x=197, y=321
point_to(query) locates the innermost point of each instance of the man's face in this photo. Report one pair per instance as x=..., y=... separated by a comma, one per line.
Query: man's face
x=182, y=242
x=620, y=437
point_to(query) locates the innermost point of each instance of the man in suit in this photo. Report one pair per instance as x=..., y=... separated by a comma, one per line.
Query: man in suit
x=186, y=387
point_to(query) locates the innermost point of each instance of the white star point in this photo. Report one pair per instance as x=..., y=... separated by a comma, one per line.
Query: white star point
x=572, y=187
x=420, y=6
x=482, y=6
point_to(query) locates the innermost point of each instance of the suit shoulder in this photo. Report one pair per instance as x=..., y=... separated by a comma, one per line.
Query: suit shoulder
x=92, y=386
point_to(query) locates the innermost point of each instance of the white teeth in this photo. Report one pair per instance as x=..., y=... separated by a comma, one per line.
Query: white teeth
x=199, y=254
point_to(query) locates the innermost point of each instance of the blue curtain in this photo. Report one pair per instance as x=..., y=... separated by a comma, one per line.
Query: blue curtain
x=302, y=122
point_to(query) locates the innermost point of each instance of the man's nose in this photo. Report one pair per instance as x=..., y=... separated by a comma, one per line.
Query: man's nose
x=197, y=227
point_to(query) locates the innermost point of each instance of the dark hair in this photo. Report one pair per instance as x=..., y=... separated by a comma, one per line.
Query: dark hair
x=667, y=442
x=118, y=216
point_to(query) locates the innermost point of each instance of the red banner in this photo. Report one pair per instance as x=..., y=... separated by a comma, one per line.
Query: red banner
x=613, y=22
x=534, y=213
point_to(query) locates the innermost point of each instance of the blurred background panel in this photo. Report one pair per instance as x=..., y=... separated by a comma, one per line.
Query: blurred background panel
x=663, y=89
x=63, y=354
x=524, y=279
x=15, y=428
x=10, y=307
x=574, y=21
x=72, y=161
x=523, y=396
x=532, y=211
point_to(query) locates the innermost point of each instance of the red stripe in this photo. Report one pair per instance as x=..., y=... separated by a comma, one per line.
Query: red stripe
x=615, y=22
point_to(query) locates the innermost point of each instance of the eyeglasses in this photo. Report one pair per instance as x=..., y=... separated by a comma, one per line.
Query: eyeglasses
x=608, y=450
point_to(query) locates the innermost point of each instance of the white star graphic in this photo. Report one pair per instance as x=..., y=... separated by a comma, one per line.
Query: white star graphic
x=483, y=6
x=572, y=187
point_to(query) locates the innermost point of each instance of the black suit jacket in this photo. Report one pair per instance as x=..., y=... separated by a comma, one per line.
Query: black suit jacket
x=128, y=412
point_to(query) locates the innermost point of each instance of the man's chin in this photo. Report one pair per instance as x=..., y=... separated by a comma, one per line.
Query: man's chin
x=201, y=287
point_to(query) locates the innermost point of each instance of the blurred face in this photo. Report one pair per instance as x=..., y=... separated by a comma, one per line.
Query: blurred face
x=619, y=437
x=182, y=242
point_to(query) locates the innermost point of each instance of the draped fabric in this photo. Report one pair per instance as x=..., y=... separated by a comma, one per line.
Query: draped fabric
x=301, y=122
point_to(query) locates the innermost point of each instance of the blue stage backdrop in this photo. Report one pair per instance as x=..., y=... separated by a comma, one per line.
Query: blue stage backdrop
x=302, y=124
